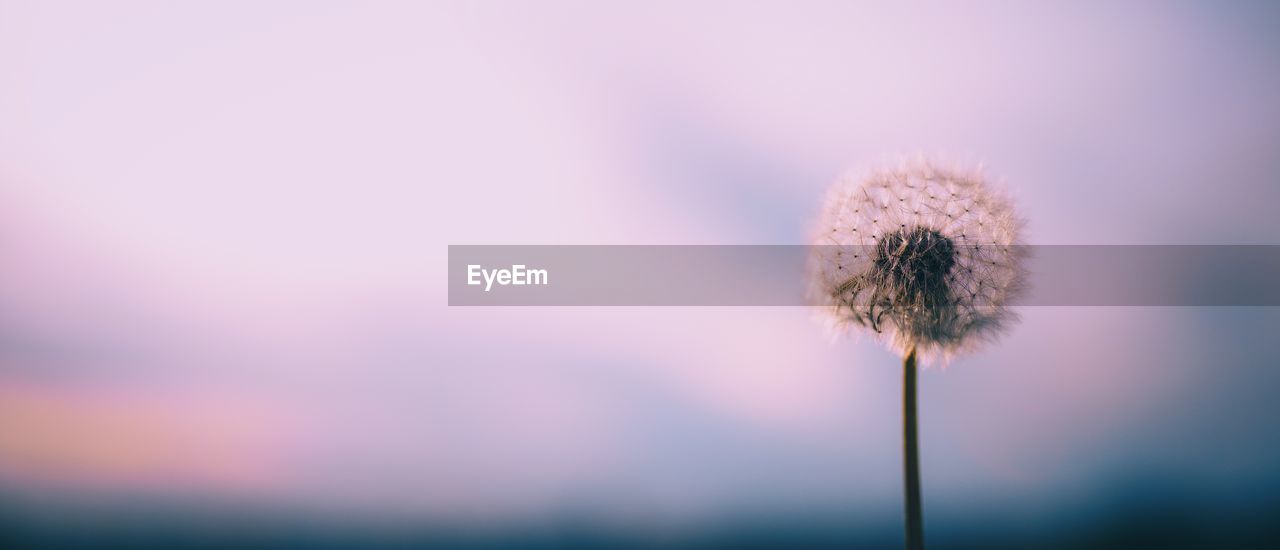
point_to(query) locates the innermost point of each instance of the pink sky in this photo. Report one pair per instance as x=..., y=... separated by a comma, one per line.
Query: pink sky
x=223, y=228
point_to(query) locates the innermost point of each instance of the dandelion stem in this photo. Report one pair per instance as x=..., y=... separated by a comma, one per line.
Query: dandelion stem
x=911, y=455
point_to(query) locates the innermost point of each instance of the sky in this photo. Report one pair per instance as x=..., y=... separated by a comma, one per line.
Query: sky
x=224, y=230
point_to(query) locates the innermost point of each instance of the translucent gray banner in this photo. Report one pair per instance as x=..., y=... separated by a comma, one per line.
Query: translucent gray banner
x=776, y=275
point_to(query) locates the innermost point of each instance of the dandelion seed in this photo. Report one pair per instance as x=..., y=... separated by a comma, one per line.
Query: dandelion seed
x=919, y=286
x=912, y=285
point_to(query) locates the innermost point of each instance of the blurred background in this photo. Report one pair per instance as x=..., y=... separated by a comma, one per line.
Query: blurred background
x=223, y=231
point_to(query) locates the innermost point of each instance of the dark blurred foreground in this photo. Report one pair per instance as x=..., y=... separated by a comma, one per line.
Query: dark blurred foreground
x=1149, y=522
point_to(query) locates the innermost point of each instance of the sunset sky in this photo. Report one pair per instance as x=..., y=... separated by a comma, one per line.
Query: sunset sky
x=223, y=232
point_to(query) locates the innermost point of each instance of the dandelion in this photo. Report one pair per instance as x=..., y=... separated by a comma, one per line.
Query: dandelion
x=925, y=257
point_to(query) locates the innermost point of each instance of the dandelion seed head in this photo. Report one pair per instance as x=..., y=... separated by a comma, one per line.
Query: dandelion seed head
x=924, y=256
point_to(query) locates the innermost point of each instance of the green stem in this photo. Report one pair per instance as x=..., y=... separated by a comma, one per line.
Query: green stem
x=911, y=455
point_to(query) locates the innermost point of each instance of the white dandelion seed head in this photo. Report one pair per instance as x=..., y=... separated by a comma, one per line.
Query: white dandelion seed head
x=924, y=256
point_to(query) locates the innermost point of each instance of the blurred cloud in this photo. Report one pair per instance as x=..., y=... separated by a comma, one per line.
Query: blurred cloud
x=222, y=264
